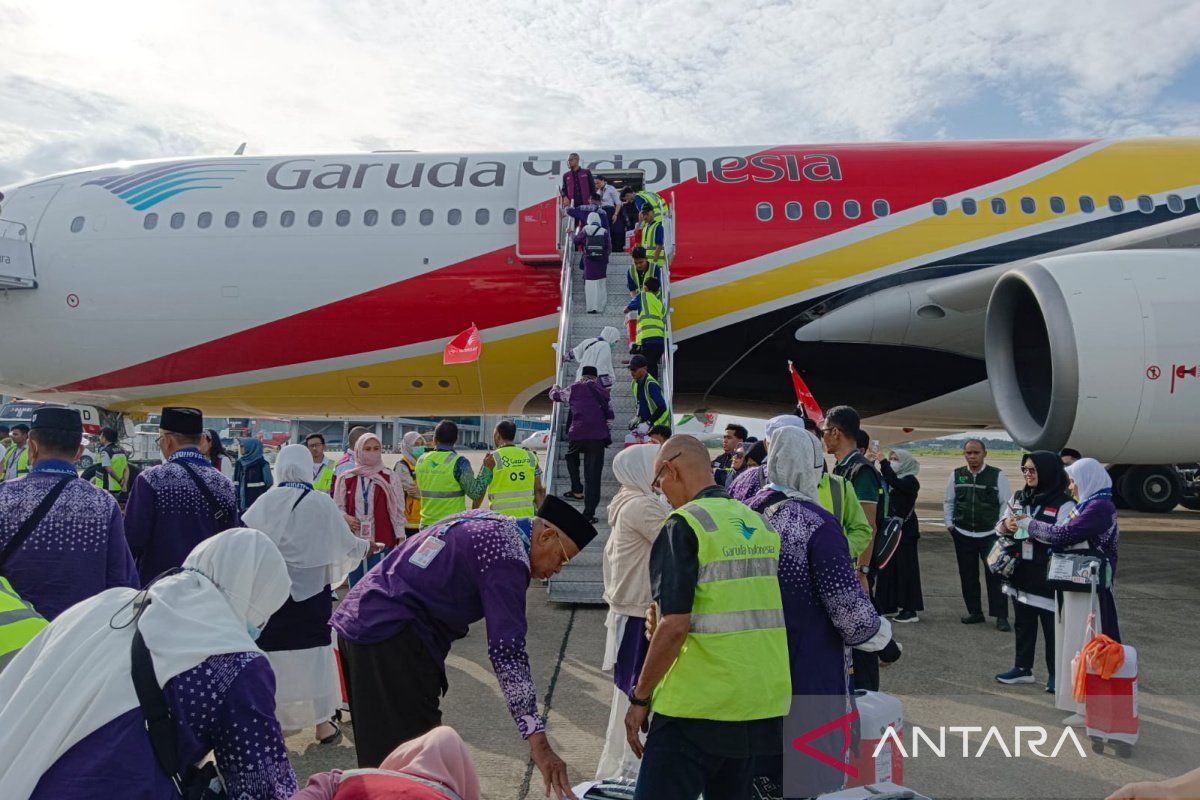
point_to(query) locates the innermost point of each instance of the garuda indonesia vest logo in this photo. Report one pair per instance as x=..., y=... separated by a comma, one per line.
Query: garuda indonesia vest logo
x=149, y=187
x=746, y=530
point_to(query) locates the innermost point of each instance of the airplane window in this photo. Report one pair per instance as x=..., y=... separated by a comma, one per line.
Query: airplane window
x=398, y=217
x=1086, y=204
x=764, y=212
x=150, y=221
x=343, y=218
x=510, y=216
x=1028, y=205
x=851, y=209
x=482, y=215
x=1175, y=203
x=454, y=216
x=940, y=207
x=969, y=206
x=287, y=219
x=259, y=220
x=426, y=216
x=822, y=209
x=204, y=219
x=1115, y=203
x=77, y=225
x=177, y=220
x=370, y=217
x=1057, y=204
x=1145, y=204
x=793, y=211
x=232, y=219
x=999, y=206
x=314, y=218
x=882, y=209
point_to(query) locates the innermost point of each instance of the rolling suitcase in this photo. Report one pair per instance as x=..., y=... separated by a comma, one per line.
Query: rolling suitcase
x=1111, y=706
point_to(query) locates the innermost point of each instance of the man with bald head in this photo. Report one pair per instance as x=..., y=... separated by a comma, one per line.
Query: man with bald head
x=716, y=673
x=347, y=460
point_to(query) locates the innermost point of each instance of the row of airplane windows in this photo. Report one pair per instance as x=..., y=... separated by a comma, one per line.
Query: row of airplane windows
x=852, y=209
x=315, y=219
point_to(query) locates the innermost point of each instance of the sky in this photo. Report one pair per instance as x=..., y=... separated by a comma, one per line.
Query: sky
x=89, y=83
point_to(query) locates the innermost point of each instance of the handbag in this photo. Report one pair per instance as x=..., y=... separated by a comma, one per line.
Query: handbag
x=887, y=541
x=220, y=514
x=1004, y=556
x=1078, y=571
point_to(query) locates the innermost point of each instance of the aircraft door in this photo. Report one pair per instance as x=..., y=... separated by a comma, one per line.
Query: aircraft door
x=22, y=210
x=538, y=213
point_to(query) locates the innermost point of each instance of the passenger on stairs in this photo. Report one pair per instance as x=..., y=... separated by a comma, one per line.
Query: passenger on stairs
x=660, y=433
x=597, y=352
x=652, y=407
x=577, y=183
x=597, y=246
x=581, y=213
x=651, y=324
x=591, y=411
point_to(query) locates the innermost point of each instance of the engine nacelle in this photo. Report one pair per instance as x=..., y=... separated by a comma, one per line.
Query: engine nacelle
x=1100, y=350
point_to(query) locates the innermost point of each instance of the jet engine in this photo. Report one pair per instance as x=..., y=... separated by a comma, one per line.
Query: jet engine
x=1099, y=351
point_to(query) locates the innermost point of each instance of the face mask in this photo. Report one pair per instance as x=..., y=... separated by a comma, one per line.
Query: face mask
x=418, y=452
x=254, y=631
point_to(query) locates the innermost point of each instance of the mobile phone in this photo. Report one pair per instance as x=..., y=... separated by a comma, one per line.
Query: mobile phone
x=874, y=445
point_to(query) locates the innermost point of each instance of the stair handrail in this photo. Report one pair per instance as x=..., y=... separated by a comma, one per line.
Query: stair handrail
x=561, y=348
x=668, y=366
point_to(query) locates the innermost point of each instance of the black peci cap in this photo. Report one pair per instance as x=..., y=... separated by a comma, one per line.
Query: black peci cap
x=567, y=519
x=57, y=418
x=638, y=362
x=591, y=371
x=181, y=419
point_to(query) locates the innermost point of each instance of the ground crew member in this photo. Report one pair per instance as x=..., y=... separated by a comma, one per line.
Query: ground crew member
x=839, y=499
x=639, y=271
x=652, y=407
x=651, y=324
x=652, y=237
x=178, y=504
x=716, y=674
x=445, y=479
x=397, y=625
x=974, y=504
x=114, y=464
x=76, y=549
x=322, y=467
x=652, y=200
x=515, y=489
x=16, y=460
x=5, y=443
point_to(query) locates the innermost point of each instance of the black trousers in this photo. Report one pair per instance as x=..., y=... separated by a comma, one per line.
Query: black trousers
x=652, y=349
x=972, y=553
x=1025, y=627
x=866, y=670
x=592, y=451
x=395, y=689
x=673, y=768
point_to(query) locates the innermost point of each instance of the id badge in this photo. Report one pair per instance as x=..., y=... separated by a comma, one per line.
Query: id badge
x=427, y=552
x=1027, y=551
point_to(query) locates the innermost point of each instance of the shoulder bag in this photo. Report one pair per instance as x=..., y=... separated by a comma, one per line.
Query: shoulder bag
x=220, y=514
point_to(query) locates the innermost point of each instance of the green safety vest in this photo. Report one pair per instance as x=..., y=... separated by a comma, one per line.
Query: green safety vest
x=648, y=234
x=839, y=499
x=658, y=416
x=511, y=490
x=655, y=201
x=19, y=622
x=734, y=663
x=441, y=494
x=976, y=499
x=639, y=278
x=651, y=318
x=324, y=480
x=119, y=463
x=21, y=457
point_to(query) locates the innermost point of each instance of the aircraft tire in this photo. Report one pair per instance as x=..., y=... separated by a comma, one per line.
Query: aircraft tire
x=1153, y=488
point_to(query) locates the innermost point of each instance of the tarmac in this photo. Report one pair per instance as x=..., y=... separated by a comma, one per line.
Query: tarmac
x=944, y=678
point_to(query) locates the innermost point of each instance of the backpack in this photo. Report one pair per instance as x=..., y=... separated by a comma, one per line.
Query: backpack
x=594, y=244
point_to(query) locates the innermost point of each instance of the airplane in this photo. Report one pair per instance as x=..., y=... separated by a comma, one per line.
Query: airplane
x=1049, y=287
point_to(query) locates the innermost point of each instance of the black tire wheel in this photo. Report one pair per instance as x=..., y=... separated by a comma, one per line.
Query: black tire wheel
x=1097, y=745
x=1124, y=750
x=1117, y=473
x=1152, y=488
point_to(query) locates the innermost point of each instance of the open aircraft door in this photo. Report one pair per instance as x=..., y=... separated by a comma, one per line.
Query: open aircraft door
x=538, y=213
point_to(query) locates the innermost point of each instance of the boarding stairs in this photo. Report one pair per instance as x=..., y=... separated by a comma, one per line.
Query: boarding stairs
x=581, y=581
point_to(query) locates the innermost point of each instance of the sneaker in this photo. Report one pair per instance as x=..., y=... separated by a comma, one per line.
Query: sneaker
x=1075, y=721
x=1050, y=685
x=906, y=616
x=1016, y=675
x=1002, y=625
x=971, y=619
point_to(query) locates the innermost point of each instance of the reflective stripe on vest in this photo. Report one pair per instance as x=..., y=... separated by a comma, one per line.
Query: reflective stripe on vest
x=441, y=494
x=511, y=490
x=829, y=493
x=19, y=622
x=651, y=318
x=649, y=234
x=324, y=480
x=734, y=664
x=658, y=416
x=639, y=278
x=654, y=200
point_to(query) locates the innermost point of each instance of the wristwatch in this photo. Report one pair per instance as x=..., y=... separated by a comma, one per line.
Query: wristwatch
x=634, y=701
x=865, y=569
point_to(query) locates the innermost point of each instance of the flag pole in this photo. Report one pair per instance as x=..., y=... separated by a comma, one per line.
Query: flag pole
x=479, y=374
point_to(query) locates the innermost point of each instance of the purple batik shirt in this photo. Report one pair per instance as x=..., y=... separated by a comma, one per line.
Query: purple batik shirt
x=481, y=572
x=747, y=484
x=577, y=186
x=226, y=706
x=824, y=606
x=167, y=516
x=76, y=552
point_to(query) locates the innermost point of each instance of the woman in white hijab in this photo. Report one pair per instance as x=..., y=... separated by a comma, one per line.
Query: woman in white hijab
x=596, y=352
x=320, y=550
x=72, y=725
x=636, y=515
x=597, y=246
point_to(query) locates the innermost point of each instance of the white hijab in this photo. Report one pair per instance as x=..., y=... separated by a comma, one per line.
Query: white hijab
x=74, y=677
x=593, y=223
x=317, y=544
x=591, y=353
x=1090, y=477
x=633, y=468
x=781, y=421
x=795, y=463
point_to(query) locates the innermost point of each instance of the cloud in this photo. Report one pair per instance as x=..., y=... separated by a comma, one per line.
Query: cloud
x=81, y=83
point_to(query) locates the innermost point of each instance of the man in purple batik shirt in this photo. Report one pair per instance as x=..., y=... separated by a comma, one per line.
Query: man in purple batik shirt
x=577, y=183
x=404, y=615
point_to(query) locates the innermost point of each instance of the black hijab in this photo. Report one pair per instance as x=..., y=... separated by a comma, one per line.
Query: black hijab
x=1052, y=483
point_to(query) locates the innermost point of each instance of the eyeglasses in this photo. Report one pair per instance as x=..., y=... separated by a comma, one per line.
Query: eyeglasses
x=562, y=547
x=656, y=483
x=828, y=429
x=1029, y=470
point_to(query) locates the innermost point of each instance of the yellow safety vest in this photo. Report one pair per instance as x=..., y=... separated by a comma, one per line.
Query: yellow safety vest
x=20, y=457
x=324, y=480
x=511, y=490
x=658, y=416
x=734, y=663
x=441, y=494
x=119, y=463
x=649, y=233
x=19, y=622
x=651, y=318
x=639, y=278
x=655, y=201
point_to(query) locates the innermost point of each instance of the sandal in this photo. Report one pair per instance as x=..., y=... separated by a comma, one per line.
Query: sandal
x=573, y=495
x=333, y=738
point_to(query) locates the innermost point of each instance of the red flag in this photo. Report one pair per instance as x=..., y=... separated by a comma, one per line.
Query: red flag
x=805, y=397
x=464, y=348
